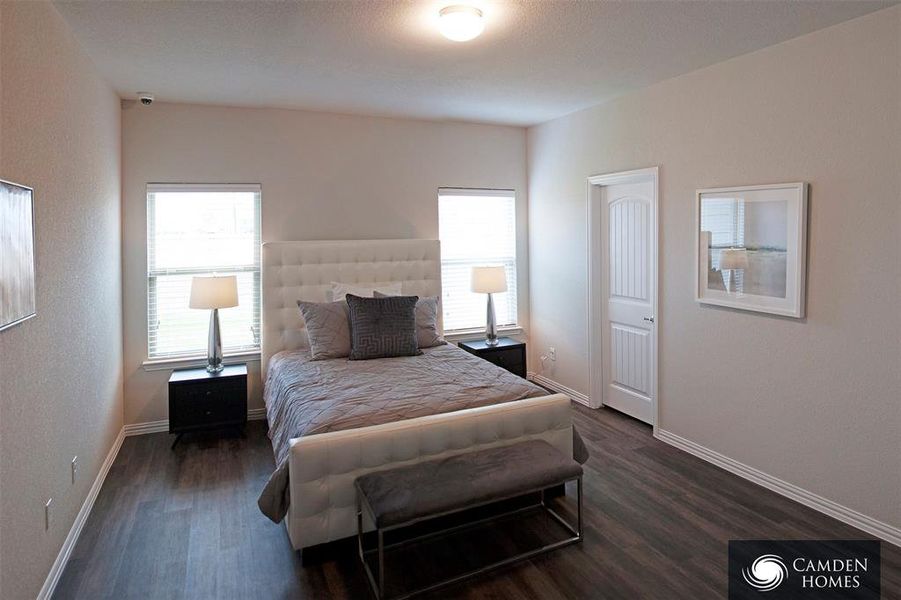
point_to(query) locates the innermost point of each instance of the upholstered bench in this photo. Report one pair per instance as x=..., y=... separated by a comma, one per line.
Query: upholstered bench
x=403, y=496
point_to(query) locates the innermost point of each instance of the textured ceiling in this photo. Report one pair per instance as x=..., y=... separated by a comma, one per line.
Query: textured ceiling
x=535, y=61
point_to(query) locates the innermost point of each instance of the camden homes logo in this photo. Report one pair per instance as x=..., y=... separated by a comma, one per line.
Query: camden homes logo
x=802, y=569
x=767, y=572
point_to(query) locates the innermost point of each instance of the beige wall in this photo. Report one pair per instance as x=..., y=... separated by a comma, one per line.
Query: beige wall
x=815, y=402
x=324, y=176
x=61, y=372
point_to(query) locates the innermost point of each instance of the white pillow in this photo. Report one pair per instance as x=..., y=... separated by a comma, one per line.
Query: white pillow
x=340, y=290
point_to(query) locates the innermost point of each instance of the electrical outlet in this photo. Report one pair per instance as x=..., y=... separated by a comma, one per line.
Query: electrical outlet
x=74, y=468
x=47, y=513
x=552, y=353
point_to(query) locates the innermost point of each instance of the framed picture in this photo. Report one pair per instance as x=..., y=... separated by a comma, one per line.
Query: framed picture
x=17, y=295
x=750, y=250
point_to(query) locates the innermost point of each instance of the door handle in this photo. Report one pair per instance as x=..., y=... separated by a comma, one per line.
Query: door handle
x=649, y=319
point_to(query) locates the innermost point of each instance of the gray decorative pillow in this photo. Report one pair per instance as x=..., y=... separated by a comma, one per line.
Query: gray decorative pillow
x=382, y=327
x=427, y=334
x=328, y=327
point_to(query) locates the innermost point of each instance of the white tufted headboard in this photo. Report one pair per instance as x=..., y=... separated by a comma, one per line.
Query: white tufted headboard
x=295, y=271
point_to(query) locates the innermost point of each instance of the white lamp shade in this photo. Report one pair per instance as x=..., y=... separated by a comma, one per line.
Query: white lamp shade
x=214, y=292
x=489, y=280
x=734, y=258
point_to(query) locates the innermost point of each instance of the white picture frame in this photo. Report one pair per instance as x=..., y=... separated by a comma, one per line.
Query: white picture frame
x=751, y=248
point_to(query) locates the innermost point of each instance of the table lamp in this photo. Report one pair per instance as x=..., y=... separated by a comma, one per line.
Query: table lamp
x=733, y=259
x=213, y=293
x=489, y=280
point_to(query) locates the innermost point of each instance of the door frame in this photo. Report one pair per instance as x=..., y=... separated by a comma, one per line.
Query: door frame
x=597, y=284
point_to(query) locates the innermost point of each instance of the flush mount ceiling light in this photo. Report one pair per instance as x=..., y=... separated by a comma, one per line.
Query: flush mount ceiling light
x=460, y=23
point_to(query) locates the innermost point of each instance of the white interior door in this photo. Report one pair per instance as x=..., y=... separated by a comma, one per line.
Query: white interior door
x=629, y=269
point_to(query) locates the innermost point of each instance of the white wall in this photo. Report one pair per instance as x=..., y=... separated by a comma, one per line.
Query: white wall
x=324, y=176
x=815, y=402
x=61, y=372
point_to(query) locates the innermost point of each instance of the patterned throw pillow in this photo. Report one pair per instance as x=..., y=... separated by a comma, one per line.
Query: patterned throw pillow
x=382, y=327
x=427, y=332
x=328, y=327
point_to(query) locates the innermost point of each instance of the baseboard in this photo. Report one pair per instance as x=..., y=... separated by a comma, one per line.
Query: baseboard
x=558, y=387
x=81, y=518
x=835, y=510
x=148, y=427
x=253, y=414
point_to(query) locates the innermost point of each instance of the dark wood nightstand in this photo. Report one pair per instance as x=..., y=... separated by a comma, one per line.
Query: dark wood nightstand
x=508, y=354
x=200, y=401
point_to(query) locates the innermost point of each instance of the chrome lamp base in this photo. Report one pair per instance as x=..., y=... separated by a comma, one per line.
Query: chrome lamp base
x=214, y=346
x=491, y=327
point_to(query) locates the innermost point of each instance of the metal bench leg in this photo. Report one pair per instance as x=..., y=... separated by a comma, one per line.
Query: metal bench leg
x=381, y=564
x=360, y=529
x=377, y=588
x=579, y=504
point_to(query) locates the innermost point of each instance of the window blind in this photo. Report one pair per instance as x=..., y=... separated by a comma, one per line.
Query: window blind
x=201, y=230
x=724, y=218
x=476, y=228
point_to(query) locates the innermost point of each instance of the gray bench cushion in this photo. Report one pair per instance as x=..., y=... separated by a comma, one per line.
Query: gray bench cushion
x=434, y=487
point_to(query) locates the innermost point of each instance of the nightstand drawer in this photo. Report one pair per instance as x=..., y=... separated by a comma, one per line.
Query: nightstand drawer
x=512, y=360
x=224, y=389
x=202, y=409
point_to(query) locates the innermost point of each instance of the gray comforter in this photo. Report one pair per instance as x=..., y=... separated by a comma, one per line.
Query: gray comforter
x=306, y=397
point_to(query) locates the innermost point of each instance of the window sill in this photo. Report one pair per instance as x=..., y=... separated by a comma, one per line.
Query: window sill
x=187, y=362
x=466, y=335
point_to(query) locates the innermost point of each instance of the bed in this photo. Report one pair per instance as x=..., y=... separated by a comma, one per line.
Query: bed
x=333, y=420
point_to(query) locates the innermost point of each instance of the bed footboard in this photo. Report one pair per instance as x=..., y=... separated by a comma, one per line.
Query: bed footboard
x=322, y=468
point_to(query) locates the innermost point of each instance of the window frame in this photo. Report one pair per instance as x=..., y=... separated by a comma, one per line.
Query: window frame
x=515, y=326
x=192, y=358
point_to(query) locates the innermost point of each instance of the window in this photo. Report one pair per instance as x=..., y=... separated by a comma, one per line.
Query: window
x=201, y=230
x=724, y=218
x=476, y=228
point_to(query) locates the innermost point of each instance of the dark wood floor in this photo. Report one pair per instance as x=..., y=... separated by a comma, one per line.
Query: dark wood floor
x=184, y=523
